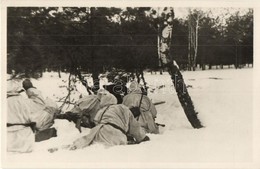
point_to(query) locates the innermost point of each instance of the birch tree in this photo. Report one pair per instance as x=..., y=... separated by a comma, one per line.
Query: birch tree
x=193, y=26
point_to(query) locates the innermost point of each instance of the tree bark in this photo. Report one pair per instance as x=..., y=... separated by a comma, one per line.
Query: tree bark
x=203, y=67
x=193, y=40
x=189, y=45
x=184, y=96
x=178, y=82
x=59, y=72
x=96, y=85
x=137, y=76
x=143, y=79
x=95, y=72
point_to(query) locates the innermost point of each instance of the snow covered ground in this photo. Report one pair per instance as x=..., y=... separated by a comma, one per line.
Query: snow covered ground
x=223, y=98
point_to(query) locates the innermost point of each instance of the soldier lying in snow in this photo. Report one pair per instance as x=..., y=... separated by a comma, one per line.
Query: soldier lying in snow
x=20, y=120
x=83, y=112
x=113, y=123
x=142, y=108
x=45, y=110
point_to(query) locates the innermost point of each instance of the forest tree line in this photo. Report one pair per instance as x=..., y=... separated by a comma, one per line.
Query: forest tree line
x=96, y=40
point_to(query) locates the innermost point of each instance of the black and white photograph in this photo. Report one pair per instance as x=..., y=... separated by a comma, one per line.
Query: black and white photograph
x=129, y=86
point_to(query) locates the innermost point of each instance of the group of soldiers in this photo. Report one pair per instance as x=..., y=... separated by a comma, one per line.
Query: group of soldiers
x=113, y=120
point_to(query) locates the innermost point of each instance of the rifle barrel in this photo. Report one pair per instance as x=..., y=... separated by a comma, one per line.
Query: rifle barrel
x=158, y=103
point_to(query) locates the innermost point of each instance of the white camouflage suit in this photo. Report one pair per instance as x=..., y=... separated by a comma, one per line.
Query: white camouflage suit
x=19, y=138
x=147, y=108
x=107, y=134
x=44, y=109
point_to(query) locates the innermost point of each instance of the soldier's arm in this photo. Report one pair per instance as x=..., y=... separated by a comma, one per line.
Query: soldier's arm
x=135, y=129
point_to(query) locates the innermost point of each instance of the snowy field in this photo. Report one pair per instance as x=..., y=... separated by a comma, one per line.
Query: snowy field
x=223, y=98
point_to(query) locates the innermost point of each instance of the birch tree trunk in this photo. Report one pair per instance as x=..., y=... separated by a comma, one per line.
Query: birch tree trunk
x=189, y=45
x=193, y=39
x=196, y=44
x=176, y=76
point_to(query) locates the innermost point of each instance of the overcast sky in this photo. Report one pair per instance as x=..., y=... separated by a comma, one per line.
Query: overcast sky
x=183, y=12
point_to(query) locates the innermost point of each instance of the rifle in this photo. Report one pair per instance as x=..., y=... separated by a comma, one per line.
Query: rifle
x=77, y=118
x=158, y=124
x=84, y=121
x=158, y=103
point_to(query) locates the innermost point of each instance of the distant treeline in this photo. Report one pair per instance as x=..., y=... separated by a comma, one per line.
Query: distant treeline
x=95, y=40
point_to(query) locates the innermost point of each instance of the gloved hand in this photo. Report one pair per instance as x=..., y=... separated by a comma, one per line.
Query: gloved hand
x=146, y=138
x=27, y=84
x=130, y=140
x=85, y=122
x=72, y=116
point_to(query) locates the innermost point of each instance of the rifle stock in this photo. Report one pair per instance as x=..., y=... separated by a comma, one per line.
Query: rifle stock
x=78, y=122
